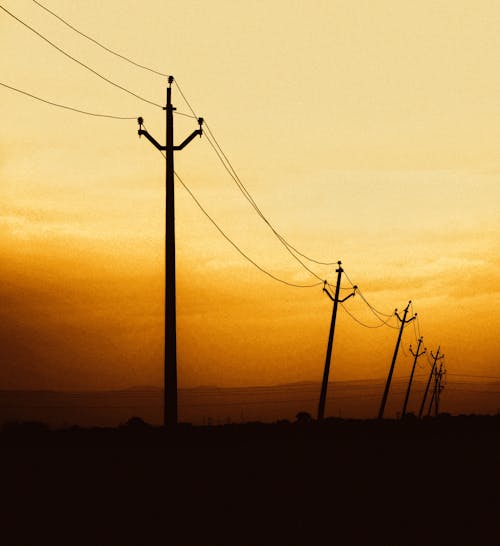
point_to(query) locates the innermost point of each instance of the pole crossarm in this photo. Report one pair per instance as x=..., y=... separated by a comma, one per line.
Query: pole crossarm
x=417, y=354
x=403, y=320
x=151, y=139
x=326, y=291
x=190, y=137
x=157, y=145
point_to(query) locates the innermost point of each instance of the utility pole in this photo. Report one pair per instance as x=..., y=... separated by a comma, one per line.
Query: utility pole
x=416, y=355
x=440, y=388
x=403, y=321
x=326, y=372
x=436, y=358
x=435, y=392
x=170, y=347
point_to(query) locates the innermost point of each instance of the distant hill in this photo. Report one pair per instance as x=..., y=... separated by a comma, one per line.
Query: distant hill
x=217, y=405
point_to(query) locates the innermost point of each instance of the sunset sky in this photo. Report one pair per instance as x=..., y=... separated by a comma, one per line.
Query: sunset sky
x=366, y=132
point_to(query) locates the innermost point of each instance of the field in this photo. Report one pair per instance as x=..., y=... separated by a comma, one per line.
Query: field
x=362, y=482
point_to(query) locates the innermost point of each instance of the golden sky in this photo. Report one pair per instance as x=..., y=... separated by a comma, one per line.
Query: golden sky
x=366, y=131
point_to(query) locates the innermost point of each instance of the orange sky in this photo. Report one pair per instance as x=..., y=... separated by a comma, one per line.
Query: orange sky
x=366, y=132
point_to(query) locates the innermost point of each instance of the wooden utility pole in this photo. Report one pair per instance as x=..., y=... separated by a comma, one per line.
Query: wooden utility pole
x=326, y=372
x=403, y=321
x=436, y=358
x=416, y=355
x=170, y=347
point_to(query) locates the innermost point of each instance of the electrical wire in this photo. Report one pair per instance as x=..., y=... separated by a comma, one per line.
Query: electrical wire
x=64, y=106
x=415, y=323
x=247, y=196
x=232, y=242
x=418, y=327
x=375, y=311
x=372, y=309
x=362, y=323
x=184, y=98
x=475, y=375
x=99, y=43
x=80, y=62
x=234, y=175
x=182, y=113
x=476, y=391
x=237, y=247
x=429, y=360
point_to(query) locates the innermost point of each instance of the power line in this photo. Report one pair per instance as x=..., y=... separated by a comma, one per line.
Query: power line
x=230, y=169
x=362, y=323
x=472, y=390
x=79, y=62
x=475, y=375
x=63, y=105
x=372, y=309
x=416, y=325
x=200, y=206
x=185, y=99
x=237, y=247
x=248, y=197
x=234, y=175
x=182, y=113
x=99, y=43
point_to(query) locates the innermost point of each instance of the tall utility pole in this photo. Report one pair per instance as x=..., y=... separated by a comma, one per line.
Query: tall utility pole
x=403, y=321
x=436, y=358
x=170, y=347
x=416, y=355
x=326, y=372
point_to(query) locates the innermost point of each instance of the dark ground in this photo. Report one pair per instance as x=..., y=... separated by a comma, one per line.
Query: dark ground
x=340, y=482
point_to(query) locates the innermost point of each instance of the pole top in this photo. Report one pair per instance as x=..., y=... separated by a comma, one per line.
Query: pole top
x=170, y=80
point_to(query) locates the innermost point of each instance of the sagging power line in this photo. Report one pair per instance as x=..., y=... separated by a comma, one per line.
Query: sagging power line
x=74, y=59
x=217, y=149
x=109, y=50
x=65, y=107
x=228, y=166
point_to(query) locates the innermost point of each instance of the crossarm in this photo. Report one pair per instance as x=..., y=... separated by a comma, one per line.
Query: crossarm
x=189, y=139
x=153, y=141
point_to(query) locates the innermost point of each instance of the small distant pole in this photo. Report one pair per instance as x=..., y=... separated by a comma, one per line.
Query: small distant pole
x=416, y=355
x=436, y=358
x=403, y=321
x=440, y=389
x=435, y=392
x=326, y=372
x=170, y=347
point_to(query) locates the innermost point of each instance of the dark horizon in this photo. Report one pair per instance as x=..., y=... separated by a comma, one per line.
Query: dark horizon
x=357, y=399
